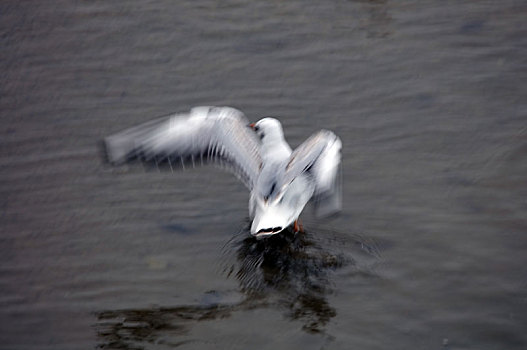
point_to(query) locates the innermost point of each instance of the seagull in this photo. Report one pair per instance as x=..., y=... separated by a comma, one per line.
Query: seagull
x=281, y=181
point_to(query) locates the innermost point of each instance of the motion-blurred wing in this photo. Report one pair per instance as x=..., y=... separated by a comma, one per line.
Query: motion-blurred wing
x=205, y=134
x=319, y=156
x=327, y=174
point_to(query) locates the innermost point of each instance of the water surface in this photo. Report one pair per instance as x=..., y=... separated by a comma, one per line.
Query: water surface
x=429, y=99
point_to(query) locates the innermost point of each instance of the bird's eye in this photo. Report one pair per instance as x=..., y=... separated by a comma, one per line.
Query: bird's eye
x=256, y=128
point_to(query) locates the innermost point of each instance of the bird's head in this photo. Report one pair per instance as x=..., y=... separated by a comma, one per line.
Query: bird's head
x=268, y=129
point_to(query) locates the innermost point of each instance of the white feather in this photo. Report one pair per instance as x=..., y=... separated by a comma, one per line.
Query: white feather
x=281, y=181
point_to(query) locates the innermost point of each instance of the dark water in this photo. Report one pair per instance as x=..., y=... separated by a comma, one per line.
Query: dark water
x=429, y=98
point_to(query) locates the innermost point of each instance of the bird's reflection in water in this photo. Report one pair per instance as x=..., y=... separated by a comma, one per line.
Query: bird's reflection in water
x=290, y=269
x=288, y=272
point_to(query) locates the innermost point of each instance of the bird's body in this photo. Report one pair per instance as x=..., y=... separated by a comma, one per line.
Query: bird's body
x=281, y=181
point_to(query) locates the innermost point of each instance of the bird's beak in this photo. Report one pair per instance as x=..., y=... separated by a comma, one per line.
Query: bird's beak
x=252, y=125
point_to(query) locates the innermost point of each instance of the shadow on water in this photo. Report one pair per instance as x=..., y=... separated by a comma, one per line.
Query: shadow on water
x=287, y=272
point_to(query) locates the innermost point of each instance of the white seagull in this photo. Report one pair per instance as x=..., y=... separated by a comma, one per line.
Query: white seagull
x=280, y=181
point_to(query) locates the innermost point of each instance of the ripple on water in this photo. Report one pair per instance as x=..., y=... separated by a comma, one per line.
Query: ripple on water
x=288, y=272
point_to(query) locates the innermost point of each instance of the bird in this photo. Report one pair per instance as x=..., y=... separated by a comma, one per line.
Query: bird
x=281, y=181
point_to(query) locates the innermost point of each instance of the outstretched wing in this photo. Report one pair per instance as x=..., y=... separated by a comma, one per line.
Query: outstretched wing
x=218, y=134
x=319, y=155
